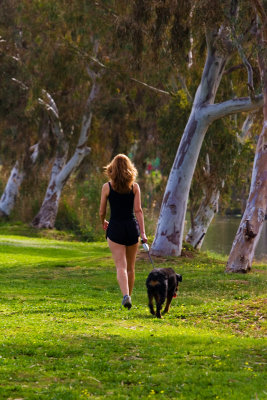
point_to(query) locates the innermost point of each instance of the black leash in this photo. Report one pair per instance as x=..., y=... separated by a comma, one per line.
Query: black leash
x=146, y=248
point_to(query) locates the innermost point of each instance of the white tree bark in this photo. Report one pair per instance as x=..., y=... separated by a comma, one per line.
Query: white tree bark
x=18, y=173
x=47, y=214
x=62, y=169
x=15, y=180
x=210, y=202
x=205, y=214
x=9, y=196
x=248, y=234
x=170, y=228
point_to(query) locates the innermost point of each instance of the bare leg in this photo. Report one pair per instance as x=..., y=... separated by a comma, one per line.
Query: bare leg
x=119, y=255
x=130, y=257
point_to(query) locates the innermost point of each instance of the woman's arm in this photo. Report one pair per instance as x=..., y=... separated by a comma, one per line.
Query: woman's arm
x=139, y=212
x=103, y=205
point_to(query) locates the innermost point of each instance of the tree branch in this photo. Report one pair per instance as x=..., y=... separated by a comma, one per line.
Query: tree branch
x=245, y=130
x=243, y=104
x=100, y=64
x=87, y=116
x=259, y=8
x=206, y=168
x=81, y=149
x=184, y=86
x=234, y=68
x=72, y=164
x=94, y=59
x=248, y=66
x=21, y=84
x=50, y=103
x=150, y=87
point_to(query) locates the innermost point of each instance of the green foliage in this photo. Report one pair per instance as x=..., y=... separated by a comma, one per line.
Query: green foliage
x=79, y=212
x=155, y=29
x=48, y=44
x=64, y=335
x=172, y=119
x=230, y=161
x=67, y=218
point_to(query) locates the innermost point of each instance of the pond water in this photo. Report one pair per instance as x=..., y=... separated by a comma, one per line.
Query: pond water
x=221, y=234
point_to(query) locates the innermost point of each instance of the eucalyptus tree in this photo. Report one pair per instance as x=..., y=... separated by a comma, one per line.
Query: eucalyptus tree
x=54, y=69
x=21, y=168
x=25, y=138
x=179, y=31
x=19, y=129
x=63, y=168
x=248, y=234
x=215, y=176
x=169, y=234
x=54, y=53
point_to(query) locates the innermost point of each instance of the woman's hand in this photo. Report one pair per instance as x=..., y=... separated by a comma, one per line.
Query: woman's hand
x=105, y=225
x=144, y=238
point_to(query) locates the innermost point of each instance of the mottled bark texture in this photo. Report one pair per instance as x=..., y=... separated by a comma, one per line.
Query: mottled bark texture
x=248, y=234
x=16, y=178
x=46, y=216
x=9, y=196
x=202, y=220
x=62, y=169
x=21, y=170
x=170, y=228
x=210, y=202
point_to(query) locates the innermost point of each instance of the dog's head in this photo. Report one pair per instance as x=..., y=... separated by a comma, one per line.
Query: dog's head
x=178, y=279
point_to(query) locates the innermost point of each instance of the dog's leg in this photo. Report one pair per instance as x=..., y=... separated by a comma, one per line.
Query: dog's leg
x=161, y=297
x=160, y=300
x=150, y=303
x=159, y=307
x=168, y=303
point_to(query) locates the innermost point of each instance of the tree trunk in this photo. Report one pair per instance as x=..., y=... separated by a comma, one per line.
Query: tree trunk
x=46, y=216
x=17, y=175
x=61, y=171
x=19, y=172
x=170, y=228
x=248, y=234
x=203, y=218
x=169, y=234
x=249, y=231
x=210, y=202
x=8, y=199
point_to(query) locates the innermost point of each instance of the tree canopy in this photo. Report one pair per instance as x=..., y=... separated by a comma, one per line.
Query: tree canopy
x=151, y=55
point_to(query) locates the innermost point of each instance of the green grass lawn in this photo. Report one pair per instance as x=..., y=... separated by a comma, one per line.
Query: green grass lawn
x=65, y=336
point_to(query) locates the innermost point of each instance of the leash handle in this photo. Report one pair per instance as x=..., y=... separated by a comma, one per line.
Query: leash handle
x=145, y=246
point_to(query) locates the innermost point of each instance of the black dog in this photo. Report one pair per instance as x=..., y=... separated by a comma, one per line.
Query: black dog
x=162, y=283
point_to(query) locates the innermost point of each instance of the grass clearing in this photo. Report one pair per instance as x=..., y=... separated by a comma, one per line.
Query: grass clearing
x=65, y=336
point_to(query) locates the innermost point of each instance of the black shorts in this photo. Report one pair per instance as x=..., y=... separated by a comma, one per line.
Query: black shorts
x=124, y=232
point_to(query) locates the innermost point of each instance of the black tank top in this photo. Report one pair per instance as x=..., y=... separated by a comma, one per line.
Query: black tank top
x=121, y=204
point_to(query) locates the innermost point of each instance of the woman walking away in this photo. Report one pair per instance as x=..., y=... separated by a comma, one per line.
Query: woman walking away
x=126, y=220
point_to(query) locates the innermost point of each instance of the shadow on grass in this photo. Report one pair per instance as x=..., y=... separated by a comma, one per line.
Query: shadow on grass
x=132, y=364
